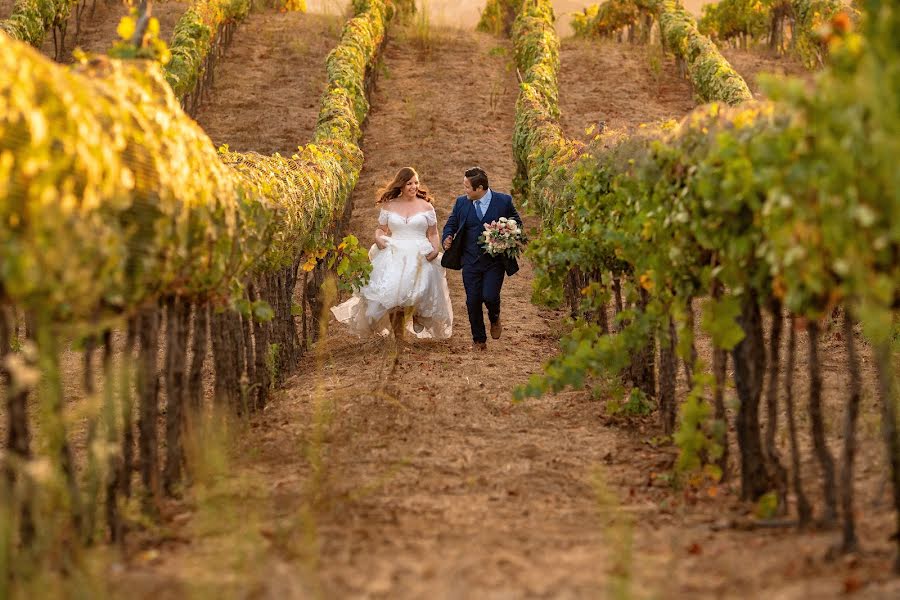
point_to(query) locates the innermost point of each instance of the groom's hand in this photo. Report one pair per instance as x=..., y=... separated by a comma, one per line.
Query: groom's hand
x=447, y=241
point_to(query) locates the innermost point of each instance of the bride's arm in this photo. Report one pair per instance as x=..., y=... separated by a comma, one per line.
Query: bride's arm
x=381, y=232
x=432, y=234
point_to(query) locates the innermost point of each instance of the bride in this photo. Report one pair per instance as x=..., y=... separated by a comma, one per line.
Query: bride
x=406, y=279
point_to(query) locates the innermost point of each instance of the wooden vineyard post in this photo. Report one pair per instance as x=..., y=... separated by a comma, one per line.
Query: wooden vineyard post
x=888, y=394
x=126, y=370
x=148, y=393
x=817, y=425
x=804, y=510
x=749, y=365
x=779, y=474
x=178, y=315
x=667, y=374
x=18, y=440
x=850, y=542
x=199, y=344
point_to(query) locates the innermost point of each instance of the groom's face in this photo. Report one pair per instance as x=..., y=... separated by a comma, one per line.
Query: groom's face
x=473, y=194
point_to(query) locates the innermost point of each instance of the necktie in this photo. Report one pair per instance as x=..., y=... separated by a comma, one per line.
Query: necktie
x=478, y=210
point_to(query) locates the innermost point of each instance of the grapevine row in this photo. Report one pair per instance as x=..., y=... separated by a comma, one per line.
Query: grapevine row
x=797, y=25
x=712, y=77
x=32, y=19
x=127, y=214
x=199, y=38
x=784, y=206
x=195, y=42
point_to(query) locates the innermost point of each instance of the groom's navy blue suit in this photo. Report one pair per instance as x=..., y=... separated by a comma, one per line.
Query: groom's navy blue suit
x=482, y=274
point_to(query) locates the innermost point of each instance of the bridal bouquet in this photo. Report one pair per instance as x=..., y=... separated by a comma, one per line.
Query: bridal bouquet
x=503, y=237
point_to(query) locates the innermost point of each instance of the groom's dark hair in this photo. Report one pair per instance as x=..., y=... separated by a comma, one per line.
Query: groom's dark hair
x=477, y=178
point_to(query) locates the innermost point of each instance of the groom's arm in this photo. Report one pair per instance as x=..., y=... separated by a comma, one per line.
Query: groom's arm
x=451, y=226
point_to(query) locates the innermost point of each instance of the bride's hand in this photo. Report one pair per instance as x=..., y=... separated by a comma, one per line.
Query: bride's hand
x=382, y=237
x=433, y=255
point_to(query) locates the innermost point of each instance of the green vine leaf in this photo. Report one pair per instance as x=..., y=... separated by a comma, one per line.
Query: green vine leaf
x=720, y=322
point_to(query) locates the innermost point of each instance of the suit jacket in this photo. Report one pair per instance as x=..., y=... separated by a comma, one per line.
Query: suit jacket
x=464, y=221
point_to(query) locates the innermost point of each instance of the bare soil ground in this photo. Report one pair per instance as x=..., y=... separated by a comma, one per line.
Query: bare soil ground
x=268, y=89
x=754, y=62
x=621, y=85
x=99, y=20
x=6, y=8
x=386, y=473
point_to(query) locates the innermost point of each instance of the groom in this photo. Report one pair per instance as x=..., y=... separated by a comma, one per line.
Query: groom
x=482, y=273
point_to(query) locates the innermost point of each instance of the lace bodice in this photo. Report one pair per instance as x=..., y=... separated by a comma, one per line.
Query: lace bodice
x=413, y=227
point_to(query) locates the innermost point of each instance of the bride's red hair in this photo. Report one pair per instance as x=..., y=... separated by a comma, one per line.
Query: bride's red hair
x=395, y=187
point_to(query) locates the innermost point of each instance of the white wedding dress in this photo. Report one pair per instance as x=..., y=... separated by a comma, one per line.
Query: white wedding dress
x=402, y=278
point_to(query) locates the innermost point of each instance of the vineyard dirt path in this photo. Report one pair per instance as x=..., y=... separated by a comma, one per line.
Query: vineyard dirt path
x=440, y=486
x=411, y=474
x=621, y=85
x=6, y=8
x=755, y=62
x=266, y=96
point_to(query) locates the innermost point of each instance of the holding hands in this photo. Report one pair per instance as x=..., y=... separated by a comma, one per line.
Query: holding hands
x=383, y=240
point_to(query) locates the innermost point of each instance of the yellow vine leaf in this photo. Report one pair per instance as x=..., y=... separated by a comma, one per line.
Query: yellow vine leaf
x=127, y=28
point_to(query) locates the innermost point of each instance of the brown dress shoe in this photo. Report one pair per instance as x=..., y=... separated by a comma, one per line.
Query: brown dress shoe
x=496, y=329
x=479, y=345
